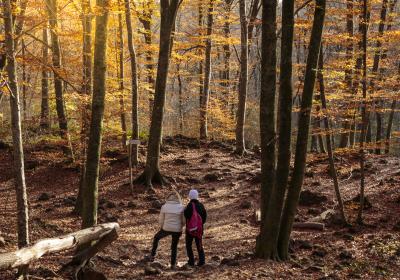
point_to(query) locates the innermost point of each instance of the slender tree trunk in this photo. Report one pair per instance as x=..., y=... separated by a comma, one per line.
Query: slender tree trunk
x=90, y=190
x=328, y=136
x=254, y=9
x=207, y=73
x=180, y=100
x=146, y=20
x=44, y=106
x=58, y=83
x=121, y=80
x=201, y=53
x=87, y=66
x=348, y=79
x=241, y=112
x=226, y=73
x=389, y=126
x=152, y=173
x=134, y=82
x=392, y=6
x=18, y=152
x=267, y=121
x=24, y=83
x=302, y=136
x=364, y=114
x=375, y=68
x=276, y=202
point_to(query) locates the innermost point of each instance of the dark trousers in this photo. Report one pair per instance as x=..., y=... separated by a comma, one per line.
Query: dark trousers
x=174, y=244
x=199, y=245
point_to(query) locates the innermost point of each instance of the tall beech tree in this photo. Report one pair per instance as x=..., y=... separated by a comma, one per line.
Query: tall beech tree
x=134, y=81
x=151, y=174
x=87, y=80
x=90, y=189
x=348, y=136
x=241, y=111
x=58, y=82
x=145, y=16
x=18, y=152
x=297, y=177
x=328, y=136
x=44, y=106
x=205, y=95
x=375, y=76
x=120, y=72
x=267, y=119
x=364, y=113
x=276, y=202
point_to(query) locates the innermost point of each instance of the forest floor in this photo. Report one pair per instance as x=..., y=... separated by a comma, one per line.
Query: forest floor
x=229, y=188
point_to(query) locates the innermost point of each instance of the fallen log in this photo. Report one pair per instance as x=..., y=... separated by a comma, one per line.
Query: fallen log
x=305, y=225
x=25, y=256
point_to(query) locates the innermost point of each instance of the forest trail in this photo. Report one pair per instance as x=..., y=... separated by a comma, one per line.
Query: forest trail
x=229, y=188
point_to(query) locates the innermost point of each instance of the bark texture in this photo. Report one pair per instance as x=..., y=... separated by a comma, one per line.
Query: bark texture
x=90, y=189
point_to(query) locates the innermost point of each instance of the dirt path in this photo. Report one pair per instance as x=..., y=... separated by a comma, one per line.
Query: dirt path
x=229, y=189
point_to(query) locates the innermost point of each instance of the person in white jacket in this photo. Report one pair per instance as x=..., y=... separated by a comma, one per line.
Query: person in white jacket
x=171, y=221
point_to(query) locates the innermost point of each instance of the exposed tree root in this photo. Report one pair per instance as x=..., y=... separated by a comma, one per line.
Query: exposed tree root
x=149, y=178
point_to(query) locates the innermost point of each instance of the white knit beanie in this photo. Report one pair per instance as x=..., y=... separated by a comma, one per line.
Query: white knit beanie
x=194, y=194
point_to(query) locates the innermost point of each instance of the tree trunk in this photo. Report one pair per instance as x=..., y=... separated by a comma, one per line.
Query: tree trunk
x=58, y=83
x=87, y=66
x=226, y=73
x=389, y=126
x=375, y=68
x=267, y=122
x=328, y=136
x=134, y=82
x=241, y=111
x=348, y=79
x=276, y=202
x=42, y=247
x=44, y=106
x=18, y=152
x=207, y=73
x=364, y=114
x=152, y=173
x=121, y=80
x=255, y=8
x=146, y=19
x=24, y=82
x=90, y=189
x=180, y=99
x=302, y=136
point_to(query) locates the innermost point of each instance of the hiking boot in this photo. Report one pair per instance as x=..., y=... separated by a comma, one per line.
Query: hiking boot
x=200, y=264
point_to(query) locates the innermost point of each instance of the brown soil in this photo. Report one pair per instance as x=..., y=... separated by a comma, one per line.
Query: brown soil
x=371, y=251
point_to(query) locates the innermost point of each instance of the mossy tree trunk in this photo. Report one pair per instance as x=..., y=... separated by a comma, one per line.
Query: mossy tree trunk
x=152, y=173
x=18, y=152
x=87, y=68
x=90, y=189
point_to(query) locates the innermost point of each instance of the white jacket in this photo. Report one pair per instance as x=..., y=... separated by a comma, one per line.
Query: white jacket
x=171, y=216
